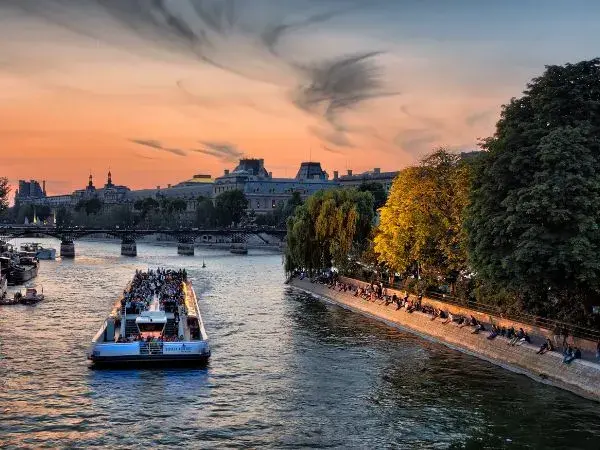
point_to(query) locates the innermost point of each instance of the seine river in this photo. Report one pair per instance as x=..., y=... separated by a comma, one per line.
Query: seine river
x=287, y=371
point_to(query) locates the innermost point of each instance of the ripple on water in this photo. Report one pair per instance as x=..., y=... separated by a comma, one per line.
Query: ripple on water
x=287, y=371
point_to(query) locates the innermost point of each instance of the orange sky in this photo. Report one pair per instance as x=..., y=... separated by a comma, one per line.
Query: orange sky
x=77, y=90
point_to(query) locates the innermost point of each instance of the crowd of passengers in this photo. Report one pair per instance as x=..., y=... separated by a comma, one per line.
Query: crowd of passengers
x=167, y=284
x=377, y=292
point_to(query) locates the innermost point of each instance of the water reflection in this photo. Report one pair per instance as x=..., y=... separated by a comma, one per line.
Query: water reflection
x=287, y=371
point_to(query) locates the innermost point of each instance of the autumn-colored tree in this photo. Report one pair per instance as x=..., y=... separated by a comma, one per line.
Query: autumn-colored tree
x=421, y=222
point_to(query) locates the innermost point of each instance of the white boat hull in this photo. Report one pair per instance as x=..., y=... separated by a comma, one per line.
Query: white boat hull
x=197, y=352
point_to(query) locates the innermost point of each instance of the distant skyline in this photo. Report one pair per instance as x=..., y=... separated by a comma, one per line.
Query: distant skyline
x=160, y=90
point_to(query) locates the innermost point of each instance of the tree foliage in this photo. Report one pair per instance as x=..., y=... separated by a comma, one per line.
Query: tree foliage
x=533, y=223
x=421, y=222
x=231, y=207
x=4, y=191
x=331, y=227
x=378, y=191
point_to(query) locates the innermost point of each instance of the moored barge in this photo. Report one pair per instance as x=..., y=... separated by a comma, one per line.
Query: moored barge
x=156, y=321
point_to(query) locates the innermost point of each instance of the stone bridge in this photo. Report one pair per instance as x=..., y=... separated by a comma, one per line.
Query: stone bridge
x=186, y=237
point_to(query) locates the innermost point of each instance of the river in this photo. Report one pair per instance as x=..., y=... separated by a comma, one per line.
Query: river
x=287, y=371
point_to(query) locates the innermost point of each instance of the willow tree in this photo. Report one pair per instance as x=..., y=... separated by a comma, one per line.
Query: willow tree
x=330, y=228
x=534, y=221
x=421, y=222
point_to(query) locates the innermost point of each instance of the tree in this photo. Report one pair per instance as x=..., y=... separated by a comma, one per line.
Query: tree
x=4, y=191
x=420, y=229
x=205, y=213
x=330, y=228
x=378, y=191
x=231, y=207
x=535, y=210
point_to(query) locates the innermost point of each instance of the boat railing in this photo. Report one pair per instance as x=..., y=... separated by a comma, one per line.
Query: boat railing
x=151, y=348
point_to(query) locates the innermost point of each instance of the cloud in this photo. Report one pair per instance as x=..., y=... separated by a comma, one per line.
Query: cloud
x=335, y=86
x=416, y=141
x=221, y=150
x=158, y=146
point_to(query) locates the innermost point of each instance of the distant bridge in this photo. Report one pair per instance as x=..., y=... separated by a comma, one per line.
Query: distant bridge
x=185, y=237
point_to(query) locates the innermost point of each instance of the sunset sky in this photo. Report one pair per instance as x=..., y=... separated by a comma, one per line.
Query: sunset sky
x=160, y=90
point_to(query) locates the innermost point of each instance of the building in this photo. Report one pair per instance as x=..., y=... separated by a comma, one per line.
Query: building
x=109, y=194
x=263, y=191
x=30, y=191
x=376, y=175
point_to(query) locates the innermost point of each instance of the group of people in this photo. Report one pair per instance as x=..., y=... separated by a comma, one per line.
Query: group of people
x=167, y=284
x=376, y=292
x=137, y=337
x=164, y=284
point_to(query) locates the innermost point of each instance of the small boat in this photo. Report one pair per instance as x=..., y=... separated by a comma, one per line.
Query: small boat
x=203, y=264
x=39, y=251
x=157, y=321
x=30, y=297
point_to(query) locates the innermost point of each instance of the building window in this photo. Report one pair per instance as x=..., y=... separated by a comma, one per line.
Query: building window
x=257, y=204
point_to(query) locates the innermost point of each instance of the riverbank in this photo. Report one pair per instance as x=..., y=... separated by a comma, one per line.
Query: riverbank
x=580, y=377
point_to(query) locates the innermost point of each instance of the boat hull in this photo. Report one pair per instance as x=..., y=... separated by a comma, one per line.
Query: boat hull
x=150, y=361
x=22, y=276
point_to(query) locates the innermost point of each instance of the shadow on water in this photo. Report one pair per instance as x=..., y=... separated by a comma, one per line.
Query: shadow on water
x=410, y=392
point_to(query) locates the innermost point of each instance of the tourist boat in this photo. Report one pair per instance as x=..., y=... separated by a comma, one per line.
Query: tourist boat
x=157, y=328
x=39, y=251
x=30, y=297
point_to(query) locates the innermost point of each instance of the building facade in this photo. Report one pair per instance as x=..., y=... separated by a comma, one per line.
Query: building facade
x=386, y=179
x=263, y=191
x=30, y=191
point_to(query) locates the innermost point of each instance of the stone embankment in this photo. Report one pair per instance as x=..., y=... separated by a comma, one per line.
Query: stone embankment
x=581, y=377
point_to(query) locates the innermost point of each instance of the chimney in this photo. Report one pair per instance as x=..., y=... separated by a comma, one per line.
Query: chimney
x=270, y=174
x=335, y=174
x=158, y=188
x=349, y=172
x=44, y=186
x=376, y=170
x=226, y=171
x=169, y=185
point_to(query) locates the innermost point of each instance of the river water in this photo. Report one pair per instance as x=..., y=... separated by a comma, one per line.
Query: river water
x=287, y=371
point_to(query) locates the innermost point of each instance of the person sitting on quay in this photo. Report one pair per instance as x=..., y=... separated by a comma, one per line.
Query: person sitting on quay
x=517, y=337
x=570, y=354
x=495, y=331
x=546, y=347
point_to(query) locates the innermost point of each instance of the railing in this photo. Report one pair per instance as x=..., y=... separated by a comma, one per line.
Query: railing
x=529, y=319
x=151, y=348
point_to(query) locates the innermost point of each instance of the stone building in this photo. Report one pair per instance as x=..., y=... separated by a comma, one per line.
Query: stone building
x=263, y=191
x=376, y=175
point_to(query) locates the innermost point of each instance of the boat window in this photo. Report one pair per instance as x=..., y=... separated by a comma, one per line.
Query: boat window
x=150, y=327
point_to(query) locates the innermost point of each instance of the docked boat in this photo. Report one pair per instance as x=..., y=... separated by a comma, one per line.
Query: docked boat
x=3, y=284
x=156, y=321
x=30, y=297
x=19, y=269
x=39, y=251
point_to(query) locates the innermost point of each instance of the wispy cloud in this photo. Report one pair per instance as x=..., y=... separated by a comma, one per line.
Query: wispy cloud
x=222, y=150
x=158, y=146
x=417, y=141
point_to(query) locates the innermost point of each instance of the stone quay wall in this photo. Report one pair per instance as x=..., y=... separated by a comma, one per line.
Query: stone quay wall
x=581, y=377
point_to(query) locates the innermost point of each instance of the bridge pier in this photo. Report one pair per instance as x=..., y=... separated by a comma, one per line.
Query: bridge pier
x=67, y=249
x=128, y=248
x=185, y=248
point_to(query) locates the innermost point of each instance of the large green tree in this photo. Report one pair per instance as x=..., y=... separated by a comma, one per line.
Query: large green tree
x=231, y=207
x=378, y=191
x=331, y=227
x=534, y=220
x=421, y=222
